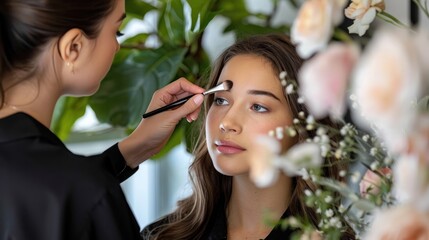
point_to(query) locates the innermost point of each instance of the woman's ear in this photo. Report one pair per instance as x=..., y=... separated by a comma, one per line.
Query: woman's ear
x=70, y=45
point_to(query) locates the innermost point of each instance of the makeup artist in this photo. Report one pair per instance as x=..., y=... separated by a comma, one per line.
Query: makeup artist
x=51, y=48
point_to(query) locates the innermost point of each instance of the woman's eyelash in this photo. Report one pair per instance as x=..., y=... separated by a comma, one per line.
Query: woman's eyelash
x=259, y=108
x=219, y=101
x=119, y=34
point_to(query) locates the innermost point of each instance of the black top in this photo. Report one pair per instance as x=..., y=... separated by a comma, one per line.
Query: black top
x=217, y=227
x=49, y=193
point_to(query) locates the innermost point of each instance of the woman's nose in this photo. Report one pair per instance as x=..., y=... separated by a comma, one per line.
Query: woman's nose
x=230, y=123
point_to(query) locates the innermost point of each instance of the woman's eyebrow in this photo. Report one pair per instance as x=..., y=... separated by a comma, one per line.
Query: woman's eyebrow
x=261, y=92
x=123, y=16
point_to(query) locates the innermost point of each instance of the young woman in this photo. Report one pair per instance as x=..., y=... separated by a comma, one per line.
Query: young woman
x=50, y=48
x=225, y=203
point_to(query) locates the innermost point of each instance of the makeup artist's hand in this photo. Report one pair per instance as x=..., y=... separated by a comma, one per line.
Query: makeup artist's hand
x=153, y=132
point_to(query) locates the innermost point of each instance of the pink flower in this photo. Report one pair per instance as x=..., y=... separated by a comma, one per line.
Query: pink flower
x=312, y=28
x=386, y=84
x=371, y=181
x=324, y=79
x=403, y=222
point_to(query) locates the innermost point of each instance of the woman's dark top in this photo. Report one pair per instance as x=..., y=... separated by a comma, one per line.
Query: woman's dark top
x=49, y=193
x=217, y=227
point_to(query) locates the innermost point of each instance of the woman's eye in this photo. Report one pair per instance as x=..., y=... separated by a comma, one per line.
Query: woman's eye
x=220, y=101
x=119, y=34
x=259, y=108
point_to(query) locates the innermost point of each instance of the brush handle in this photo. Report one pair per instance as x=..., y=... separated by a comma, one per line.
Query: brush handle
x=168, y=106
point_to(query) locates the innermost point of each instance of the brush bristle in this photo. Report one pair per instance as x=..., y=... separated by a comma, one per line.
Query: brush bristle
x=227, y=84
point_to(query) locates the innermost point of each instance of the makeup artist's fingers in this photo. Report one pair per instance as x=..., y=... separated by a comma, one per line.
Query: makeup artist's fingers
x=190, y=109
x=153, y=132
x=183, y=85
x=172, y=92
x=195, y=108
x=179, y=89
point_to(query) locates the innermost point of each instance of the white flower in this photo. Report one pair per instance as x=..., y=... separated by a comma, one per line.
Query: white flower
x=324, y=79
x=329, y=213
x=263, y=171
x=406, y=186
x=303, y=155
x=363, y=12
x=266, y=162
x=312, y=29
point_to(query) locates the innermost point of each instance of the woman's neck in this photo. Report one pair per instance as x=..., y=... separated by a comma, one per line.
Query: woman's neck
x=250, y=206
x=28, y=96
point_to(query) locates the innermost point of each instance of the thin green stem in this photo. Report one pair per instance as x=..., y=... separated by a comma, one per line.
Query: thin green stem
x=424, y=7
x=391, y=19
x=342, y=35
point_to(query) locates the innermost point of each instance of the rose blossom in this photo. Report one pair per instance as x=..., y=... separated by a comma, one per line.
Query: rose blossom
x=324, y=79
x=386, y=82
x=371, y=182
x=401, y=222
x=363, y=12
x=312, y=28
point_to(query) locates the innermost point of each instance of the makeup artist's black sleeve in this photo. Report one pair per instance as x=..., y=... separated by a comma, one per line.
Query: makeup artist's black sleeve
x=114, y=162
x=111, y=219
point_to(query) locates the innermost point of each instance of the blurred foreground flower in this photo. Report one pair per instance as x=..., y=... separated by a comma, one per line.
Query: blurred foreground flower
x=263, y=171
x=388, y=83
x=312, y=29
x=363, y=12
x=385, y=88
x=324, y=80
x=266, y=163
x=404, y=222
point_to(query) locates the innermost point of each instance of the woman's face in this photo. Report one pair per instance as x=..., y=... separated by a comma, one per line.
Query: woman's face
x=254, y=106
x=100, y=54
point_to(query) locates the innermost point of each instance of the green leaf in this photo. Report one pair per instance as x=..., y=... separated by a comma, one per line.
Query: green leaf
x=235, y=10
x=137, y=8
x=364, y=205
x=67, y=111
x=171, y=25
x=134, y=76
x=245, y=30
x=200, y=16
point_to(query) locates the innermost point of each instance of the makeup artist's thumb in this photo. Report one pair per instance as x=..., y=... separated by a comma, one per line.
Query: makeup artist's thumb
x=192, y=107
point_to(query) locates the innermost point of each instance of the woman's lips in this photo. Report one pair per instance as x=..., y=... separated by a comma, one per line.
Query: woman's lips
x=226, y=147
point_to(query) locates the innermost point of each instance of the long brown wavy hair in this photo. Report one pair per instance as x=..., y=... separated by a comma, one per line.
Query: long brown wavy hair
x=210, y=188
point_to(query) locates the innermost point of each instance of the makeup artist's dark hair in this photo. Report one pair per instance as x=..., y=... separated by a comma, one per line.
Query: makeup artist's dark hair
x=211, y=188
x=26, y=26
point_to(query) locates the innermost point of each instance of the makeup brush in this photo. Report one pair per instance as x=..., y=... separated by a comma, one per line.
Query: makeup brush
x=224, y=86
